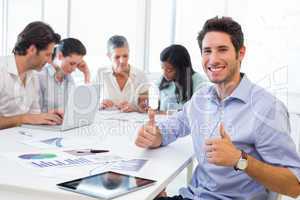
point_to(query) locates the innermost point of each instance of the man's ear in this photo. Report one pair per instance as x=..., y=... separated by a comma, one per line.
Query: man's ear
x=31, y=50
x=242, y=53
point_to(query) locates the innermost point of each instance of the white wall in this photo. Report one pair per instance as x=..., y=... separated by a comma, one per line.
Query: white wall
x=272, y=40
x=271, y=32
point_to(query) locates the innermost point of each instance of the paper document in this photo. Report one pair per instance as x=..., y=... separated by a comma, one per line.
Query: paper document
x=60, y=142
x=129, y=165
x=49, y=159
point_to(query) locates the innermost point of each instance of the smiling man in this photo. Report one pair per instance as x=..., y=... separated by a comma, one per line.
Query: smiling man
x=19, y=100
x=240, y=131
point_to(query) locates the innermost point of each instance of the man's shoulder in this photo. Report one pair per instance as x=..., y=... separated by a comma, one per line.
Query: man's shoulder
x=42, y=75
x=44, y=70
x=6, y=62
x=205, y=89
x=263, y=99
x=2, y=69
x=3, y=61
x=35, y=76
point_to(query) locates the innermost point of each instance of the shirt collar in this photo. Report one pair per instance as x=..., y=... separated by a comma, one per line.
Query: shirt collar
x=241, y=92
x=12, y=68
x=11, y=65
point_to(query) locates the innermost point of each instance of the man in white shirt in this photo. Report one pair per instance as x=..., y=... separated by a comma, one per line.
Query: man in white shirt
x=122, y=83
x=19, y=100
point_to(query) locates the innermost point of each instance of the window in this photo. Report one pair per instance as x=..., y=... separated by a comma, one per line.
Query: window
x=20, y=13
x=95, y=22
x=191, y=15
x=179, y=22
x=160, y=31
x=56, y=15
x=2, y=33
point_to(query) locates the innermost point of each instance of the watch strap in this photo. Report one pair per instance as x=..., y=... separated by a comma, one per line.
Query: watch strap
x=244, y=156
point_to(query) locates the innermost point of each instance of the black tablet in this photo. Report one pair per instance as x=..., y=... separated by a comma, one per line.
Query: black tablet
x=106, y=185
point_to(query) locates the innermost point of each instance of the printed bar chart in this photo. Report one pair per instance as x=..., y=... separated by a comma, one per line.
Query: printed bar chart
x=62, y=163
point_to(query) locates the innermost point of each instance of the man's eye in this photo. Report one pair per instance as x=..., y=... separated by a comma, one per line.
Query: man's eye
x=206, y=51
x=223, y=50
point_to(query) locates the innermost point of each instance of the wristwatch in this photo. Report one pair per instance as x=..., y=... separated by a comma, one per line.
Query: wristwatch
x=242, y=164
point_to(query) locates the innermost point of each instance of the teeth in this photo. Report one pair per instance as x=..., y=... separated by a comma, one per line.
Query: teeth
x=216, y=69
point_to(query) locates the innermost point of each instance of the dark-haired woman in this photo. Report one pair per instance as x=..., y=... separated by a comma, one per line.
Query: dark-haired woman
x=179, y=81
x=55, y=78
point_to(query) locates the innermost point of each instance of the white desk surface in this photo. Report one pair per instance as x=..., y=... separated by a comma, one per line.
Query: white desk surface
x=18, y=182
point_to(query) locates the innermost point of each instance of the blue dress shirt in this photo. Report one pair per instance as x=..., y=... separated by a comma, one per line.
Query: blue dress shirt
x=257, y=123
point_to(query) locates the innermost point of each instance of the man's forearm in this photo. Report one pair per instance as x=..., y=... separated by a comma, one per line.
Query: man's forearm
x=277, y=179
x=8, y=122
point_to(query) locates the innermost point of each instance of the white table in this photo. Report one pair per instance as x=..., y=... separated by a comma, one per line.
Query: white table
x=18, y=182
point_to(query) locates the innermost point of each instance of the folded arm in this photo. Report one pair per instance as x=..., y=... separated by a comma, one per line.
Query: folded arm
x=277, y=179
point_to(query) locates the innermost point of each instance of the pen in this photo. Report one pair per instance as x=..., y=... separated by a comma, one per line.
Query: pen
x=93, y=151
x=98, y=151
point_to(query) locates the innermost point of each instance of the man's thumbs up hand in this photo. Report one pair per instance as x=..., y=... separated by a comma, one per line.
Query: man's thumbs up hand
x=221, y=151
x=149, y=135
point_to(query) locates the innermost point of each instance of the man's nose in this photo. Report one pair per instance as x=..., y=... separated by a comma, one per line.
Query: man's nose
x=214, y=58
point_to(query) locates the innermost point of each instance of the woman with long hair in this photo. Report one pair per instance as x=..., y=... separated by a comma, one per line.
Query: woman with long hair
x=179, y=80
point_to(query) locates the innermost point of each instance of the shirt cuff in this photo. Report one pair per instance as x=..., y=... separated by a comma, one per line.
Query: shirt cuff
x=296, y=172
x=164, y=134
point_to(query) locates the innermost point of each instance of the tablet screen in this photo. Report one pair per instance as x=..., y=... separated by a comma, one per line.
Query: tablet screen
x=106, y=185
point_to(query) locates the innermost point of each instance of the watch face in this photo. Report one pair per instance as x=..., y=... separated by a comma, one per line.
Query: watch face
x=242, y=164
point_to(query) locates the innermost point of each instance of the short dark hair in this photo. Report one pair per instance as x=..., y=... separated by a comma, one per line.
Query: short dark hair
x=179, y=57
x=226, y=25
x=38, y=34
x=70, y=46
x=116, y=41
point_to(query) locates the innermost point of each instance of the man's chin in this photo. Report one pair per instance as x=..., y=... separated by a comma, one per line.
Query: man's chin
x=216, y=81
x=121, y=69
x=39, y=68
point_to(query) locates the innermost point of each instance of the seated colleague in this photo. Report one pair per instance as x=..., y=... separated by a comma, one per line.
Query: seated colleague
x=179, y=81
x=121, y=82
x=56, y=81
x=19, y=86
x=251, y=152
